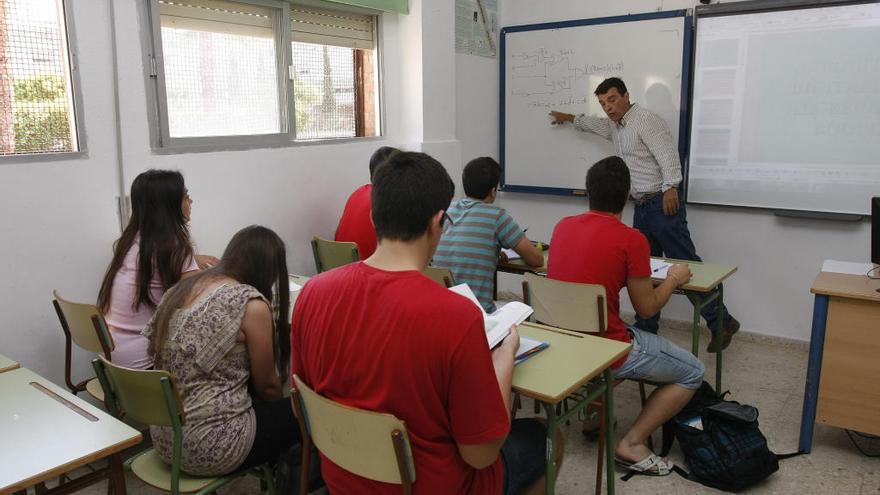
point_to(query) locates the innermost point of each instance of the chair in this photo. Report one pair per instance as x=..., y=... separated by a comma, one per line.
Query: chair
x=151, y=397
x=568, y=305
x=83, y=325
x=330, y=254
x=369, y=444
x=442, y=276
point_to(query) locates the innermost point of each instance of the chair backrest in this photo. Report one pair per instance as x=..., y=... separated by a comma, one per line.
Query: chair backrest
x=330, y=254
x=84, y=325
x=146, y=396
x=567, y=305
x=370, y=444
x=442, y=276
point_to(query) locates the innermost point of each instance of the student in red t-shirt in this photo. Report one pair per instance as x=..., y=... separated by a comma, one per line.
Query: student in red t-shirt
x=379, y=335
x=597, y=248
x=355, y=224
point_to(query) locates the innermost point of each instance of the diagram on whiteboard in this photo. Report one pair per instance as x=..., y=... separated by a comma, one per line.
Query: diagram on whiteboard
x=558, y=69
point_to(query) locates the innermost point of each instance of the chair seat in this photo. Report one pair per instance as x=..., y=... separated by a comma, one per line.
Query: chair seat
x=152, y=470
x=93, y=387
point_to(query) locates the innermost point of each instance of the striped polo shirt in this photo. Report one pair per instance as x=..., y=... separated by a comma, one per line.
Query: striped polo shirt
x=643, y=140
x=470, y=247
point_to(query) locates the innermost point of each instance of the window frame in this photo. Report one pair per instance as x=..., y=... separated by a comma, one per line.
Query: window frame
x=78, y=118
x=163, y=143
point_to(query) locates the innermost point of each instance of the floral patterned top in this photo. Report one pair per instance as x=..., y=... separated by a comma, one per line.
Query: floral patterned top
x=212, y=371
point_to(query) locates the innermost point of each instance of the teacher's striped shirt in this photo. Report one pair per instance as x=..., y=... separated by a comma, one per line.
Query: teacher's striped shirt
x=643, y=140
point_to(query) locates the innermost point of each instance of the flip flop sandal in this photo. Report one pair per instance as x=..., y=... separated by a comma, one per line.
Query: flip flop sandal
x=653, y=465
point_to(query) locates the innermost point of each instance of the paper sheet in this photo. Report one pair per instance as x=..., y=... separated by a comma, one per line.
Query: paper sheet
x=511, y=254
x=659, y=268
x=294, y=287
x=847, y=267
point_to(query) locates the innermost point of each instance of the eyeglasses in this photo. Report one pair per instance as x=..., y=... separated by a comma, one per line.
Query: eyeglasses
x=446, y=218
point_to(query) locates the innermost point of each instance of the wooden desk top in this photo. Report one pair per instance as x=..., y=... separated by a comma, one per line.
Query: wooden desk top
x=43, y=437
x=571, y=360
x=706, y=276
x=845, y=285
x=7, y=364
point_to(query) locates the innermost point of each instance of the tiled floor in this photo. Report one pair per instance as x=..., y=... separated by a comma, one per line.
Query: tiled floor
x=768, y=374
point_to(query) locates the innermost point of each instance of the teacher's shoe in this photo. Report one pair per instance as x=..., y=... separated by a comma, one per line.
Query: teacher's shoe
x=726, y=336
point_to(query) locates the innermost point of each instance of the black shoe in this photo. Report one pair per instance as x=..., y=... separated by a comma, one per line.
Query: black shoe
x=726, y=336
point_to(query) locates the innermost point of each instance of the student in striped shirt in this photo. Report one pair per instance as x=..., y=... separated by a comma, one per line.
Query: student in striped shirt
x=470, y=247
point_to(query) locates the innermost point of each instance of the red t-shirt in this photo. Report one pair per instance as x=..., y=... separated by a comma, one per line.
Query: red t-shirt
x=396, y=342
x=597, y=248
x=356, y=225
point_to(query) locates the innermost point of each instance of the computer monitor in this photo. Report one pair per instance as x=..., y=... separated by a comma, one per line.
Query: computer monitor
x=875, y=230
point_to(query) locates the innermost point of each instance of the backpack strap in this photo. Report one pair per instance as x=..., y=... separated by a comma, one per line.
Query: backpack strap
x=681, y=472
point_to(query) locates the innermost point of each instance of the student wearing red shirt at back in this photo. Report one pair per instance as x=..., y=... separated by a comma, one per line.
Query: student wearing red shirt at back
x=378, y=335
x=597, y=248
x=355, y=224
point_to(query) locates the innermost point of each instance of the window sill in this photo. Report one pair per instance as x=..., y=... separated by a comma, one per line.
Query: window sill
x=43, y=157
x=210, y=148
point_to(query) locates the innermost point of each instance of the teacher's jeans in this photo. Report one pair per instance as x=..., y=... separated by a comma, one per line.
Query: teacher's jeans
x=669, y=237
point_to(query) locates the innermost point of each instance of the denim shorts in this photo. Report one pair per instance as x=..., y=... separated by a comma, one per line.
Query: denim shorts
x=657, y=360
x=523, y=455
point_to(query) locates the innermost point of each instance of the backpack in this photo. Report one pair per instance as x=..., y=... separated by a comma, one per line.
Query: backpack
x=721, y=442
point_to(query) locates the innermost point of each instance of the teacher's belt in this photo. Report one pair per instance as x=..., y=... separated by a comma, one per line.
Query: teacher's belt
x=641, y=200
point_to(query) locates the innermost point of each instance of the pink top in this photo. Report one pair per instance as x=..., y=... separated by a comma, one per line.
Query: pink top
x=124, y=322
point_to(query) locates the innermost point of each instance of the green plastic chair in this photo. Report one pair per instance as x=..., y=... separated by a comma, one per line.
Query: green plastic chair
x=369, y=444
x=331, y=254
x=151, y=397
x=83, y=325
x=442, y=276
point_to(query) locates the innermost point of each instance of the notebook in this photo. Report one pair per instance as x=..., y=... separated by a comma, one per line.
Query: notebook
x=528, y=347
x=498, y=323
x=659, y=268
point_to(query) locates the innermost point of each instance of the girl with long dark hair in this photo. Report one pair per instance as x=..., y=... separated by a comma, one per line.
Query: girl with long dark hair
x=153, y=253
x=219, y=333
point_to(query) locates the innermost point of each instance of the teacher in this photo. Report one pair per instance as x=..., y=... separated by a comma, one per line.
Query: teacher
x=643, y=140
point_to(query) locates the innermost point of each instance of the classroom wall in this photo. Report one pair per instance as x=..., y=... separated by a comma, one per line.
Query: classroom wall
x=59, y=217
x=777, y=258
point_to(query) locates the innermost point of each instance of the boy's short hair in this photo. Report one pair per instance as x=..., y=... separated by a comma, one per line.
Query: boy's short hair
x=379, y=157
x=480, y=175
x=608, y=185
x=408, y=189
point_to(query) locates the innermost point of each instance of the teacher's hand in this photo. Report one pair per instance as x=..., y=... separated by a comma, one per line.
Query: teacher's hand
x=561, y=117
x=670, y=201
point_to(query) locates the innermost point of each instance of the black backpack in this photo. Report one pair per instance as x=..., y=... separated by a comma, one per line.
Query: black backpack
x=721, y=442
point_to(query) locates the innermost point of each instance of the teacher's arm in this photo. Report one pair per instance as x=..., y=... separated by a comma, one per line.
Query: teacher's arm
x=586, y=123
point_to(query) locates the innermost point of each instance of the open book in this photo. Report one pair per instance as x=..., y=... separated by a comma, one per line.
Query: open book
x=498, y=323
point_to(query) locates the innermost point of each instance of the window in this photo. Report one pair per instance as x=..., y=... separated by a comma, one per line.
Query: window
x=262, y=71
x=36, y=96
x=334, y=80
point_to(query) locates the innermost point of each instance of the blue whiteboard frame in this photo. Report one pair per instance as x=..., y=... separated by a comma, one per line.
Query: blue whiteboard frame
x=683, y=127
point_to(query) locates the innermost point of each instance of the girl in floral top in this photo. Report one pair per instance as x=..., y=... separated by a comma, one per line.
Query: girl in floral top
x=217, y=333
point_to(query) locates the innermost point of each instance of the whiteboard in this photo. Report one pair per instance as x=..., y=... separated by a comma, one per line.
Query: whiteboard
x=557, y=66
x=786, y=108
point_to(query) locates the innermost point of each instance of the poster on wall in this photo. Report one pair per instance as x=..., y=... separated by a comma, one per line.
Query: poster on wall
x=476, y=27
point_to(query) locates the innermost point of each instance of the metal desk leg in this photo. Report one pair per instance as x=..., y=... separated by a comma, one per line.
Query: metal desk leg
x=814, y=370
x=550, y=453
x=609, y=431
x=697, y=301
x=718, y=328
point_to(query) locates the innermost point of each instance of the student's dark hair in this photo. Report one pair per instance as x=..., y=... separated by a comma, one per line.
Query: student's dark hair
x=255, y=256
x=608, y=185
x=164, y=245
x=379, y=157
x=611, y=82
x=480, y=175
x=408, y=190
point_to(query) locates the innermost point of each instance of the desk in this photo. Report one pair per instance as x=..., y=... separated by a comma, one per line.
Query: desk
x=842, y=388
x=7, y=364
x=553, y=374
x=47, y=431
x=703, y=288
x=294, y=294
